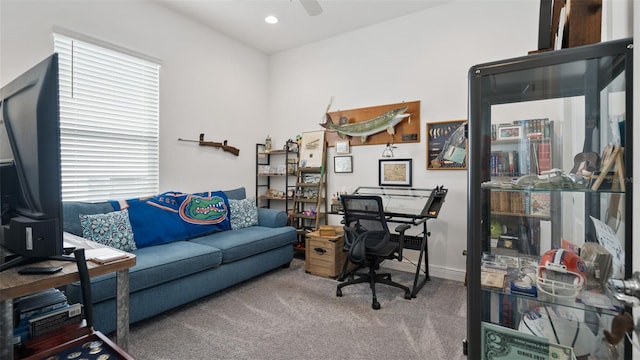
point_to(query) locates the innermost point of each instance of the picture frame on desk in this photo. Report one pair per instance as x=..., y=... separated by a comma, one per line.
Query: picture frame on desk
x=511, y=132
x=394, y=172
x=337, y=208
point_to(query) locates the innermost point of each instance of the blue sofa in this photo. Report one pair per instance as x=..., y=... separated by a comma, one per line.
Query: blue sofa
x=173, y=274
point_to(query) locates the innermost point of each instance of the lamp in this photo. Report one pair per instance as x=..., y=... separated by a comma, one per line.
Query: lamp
x=388, y=151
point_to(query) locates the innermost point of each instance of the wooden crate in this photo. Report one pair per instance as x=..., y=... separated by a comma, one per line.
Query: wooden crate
x=324, y=255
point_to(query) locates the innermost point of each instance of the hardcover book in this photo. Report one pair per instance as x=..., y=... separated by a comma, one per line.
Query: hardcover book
x=55, y=319
x=540, y=204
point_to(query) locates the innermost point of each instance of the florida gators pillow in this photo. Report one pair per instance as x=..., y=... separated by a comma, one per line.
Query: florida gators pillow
x=174, y=216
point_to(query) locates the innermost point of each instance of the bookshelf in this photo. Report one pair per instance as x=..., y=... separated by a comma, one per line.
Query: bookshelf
x=528, y=153
x=275, y=170
x=521, y=150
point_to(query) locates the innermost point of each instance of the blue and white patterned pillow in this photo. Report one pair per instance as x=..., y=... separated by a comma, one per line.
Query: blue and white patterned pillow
x=244, y=213
x=111, y=229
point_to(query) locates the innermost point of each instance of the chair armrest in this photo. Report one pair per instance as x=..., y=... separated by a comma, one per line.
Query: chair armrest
x=272, y=217
x=400, y=229
x=357, y=250
x=348, y=236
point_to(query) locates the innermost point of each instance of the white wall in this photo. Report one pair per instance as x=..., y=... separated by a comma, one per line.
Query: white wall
x=209, y=83
x=423, y=56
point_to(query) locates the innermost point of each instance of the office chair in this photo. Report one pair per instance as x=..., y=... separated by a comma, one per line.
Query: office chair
x=368, y=242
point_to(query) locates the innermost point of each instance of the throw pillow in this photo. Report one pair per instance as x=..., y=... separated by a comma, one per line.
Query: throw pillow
x=175, y=216
x=244, y=213
x=111, y=229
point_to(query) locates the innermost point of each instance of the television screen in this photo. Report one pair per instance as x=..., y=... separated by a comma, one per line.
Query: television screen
x=30, y=180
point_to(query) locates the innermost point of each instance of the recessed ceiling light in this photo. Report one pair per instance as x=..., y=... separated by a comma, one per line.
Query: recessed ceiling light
x=271, y=19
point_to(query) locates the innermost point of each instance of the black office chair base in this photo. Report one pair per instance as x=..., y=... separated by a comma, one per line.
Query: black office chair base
x=372, y=278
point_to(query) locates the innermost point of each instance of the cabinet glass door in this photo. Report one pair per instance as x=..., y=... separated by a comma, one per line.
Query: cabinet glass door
x=549, y=202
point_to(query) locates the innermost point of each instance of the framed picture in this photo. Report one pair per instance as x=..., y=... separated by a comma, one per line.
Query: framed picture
x=342, y=164
x=312, y=149
x=394, y=172
x=510, y=132
x=447, y=145
x=342, y=147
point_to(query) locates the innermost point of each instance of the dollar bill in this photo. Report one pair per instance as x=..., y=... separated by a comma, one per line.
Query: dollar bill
x=501, y=343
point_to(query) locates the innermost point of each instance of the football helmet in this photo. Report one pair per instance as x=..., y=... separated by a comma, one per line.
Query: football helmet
x=561, y=273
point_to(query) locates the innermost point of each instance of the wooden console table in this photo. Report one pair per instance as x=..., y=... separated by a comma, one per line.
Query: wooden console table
x=14, y=285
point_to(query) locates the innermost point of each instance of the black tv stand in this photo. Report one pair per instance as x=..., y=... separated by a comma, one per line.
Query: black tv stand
x=16, y=260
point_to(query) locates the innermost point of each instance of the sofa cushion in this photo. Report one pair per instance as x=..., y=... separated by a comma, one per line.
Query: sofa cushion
x=111, y=229
x=272, y=217
x=72, y=210
x=244, y=213
x=155, y=265
x=236, y=194
x=245, y=242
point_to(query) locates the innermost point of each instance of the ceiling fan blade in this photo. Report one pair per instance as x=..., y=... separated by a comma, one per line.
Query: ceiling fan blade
x=312, y=7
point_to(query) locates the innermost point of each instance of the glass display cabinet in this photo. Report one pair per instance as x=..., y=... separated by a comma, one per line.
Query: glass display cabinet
x=549, y=205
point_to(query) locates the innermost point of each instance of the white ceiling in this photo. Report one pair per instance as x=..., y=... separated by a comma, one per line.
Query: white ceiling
x=243, y=20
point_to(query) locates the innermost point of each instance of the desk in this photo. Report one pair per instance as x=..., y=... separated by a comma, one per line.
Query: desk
x=411, y=206
x=13, y=285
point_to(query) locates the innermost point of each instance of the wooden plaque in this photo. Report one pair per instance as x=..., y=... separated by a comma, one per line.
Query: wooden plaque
x=407, y=131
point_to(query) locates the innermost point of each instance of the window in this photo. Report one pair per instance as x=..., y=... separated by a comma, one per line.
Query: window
x=109, y=121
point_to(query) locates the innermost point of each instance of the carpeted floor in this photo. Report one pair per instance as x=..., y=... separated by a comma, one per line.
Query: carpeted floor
x=289, y=314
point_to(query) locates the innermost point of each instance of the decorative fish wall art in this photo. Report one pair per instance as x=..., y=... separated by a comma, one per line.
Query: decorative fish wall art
x=363, y=129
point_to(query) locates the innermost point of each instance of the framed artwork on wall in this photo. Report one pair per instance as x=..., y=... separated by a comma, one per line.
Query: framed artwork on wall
x=447, y=145
x=394, y=172
x=342, y=147
x=343, y=164
x=312, y=149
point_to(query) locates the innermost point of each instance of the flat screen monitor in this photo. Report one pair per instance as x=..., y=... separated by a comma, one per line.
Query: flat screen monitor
x=30, y=179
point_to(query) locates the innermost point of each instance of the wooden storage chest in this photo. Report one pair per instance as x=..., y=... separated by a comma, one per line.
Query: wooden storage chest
x=324, y=255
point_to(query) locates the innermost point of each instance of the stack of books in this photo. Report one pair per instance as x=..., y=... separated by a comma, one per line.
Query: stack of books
x=39, y=313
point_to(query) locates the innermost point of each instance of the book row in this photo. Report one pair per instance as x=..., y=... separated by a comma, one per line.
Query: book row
x=533, y=158
x=522, y=129
x=42, y=312
x=523, y=203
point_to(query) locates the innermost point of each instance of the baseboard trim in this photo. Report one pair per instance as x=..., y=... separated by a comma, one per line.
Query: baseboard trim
x=434, y=271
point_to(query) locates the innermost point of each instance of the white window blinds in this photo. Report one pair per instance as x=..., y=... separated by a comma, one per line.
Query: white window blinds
x=109, y=120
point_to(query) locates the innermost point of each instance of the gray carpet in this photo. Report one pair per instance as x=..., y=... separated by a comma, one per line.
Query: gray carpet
x=289, y=314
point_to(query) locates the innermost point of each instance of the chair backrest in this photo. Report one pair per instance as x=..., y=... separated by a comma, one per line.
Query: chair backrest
x=364, y=214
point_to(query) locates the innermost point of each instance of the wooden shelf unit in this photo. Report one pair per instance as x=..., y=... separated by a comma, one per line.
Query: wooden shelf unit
x=309, y=202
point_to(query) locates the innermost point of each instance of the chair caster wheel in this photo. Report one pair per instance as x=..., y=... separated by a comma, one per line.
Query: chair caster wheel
x=407, y=295
x=375, y=306
x=338, y=293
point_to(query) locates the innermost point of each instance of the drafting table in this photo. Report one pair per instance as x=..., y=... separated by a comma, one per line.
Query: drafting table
x=412, y=206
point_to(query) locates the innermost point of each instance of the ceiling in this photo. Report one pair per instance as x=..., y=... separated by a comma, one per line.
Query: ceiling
x=243, y=20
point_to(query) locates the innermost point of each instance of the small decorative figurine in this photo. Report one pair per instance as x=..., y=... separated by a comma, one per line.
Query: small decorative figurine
x=267, y=143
